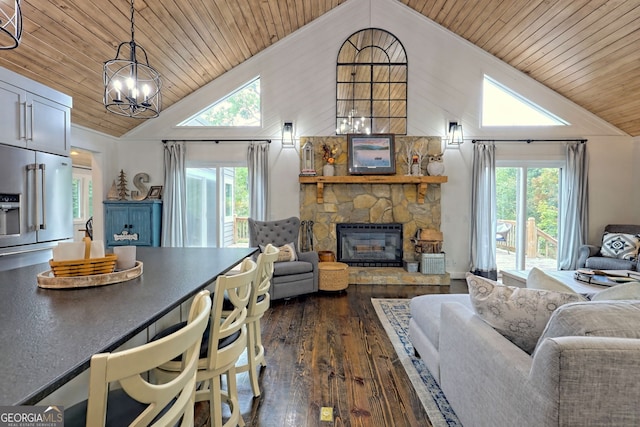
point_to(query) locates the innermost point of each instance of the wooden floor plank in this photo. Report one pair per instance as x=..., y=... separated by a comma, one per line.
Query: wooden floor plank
x=330, y=349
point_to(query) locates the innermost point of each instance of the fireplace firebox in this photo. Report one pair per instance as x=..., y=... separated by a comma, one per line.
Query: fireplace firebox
x=369, y=245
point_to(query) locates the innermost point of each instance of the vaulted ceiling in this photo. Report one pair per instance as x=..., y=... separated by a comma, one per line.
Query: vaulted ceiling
x=586, y=50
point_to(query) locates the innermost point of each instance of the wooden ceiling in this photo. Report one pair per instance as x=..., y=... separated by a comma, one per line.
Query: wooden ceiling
x=586, y=50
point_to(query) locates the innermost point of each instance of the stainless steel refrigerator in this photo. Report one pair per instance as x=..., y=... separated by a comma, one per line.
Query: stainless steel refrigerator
x=35, y=199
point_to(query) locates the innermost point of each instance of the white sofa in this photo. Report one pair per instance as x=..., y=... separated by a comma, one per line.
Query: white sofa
x=568, y=381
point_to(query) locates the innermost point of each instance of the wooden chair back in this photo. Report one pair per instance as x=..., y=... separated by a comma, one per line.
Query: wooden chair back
x=166, y=403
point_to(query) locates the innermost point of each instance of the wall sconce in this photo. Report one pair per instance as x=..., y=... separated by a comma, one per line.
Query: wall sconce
x=288, y=135
x=454, y=134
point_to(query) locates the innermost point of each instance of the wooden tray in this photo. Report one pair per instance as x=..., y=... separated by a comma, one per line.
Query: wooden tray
x=47, y=280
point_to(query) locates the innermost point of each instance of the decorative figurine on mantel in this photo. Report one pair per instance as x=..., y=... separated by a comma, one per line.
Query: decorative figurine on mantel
x=435, y=167
x=414, y=154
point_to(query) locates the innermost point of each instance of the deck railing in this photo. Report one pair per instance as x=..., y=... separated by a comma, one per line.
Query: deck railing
x=240, y=229
x=539, y=243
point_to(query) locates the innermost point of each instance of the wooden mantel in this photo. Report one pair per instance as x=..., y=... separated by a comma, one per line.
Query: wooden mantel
x=421, y=181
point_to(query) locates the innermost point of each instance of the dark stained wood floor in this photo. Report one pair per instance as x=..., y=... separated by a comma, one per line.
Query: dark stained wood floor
x=329, y=349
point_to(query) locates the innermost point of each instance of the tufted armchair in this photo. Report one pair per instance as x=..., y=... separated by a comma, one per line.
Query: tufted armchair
x=290, y=278
x=590, y=257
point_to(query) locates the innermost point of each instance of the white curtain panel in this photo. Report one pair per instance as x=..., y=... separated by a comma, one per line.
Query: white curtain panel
x=574, y=213
x=258, y=171
x=483, y=211
x=174, y=195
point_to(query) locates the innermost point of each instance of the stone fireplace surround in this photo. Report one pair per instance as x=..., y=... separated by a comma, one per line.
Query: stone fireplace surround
x=372, y=203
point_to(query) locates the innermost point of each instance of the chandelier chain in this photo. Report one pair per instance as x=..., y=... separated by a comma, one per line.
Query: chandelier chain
x=132, y=21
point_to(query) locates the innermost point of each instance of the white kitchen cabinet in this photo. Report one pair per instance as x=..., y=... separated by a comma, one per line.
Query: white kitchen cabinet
x=12, y=100
x=33, y=115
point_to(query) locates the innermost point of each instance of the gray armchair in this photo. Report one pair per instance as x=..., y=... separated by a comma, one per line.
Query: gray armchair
x=290, y=278
x=589, y=255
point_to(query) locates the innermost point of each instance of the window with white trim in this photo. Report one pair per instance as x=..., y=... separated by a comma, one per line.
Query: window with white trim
x=240, y=108
x=502, y=106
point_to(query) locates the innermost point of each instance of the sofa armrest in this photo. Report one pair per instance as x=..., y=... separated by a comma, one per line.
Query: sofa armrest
x=586, y=251
x=485, y=377
x=312, y=257
x=592, y=378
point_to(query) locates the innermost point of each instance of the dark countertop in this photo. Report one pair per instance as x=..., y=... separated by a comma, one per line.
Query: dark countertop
x=48, y=336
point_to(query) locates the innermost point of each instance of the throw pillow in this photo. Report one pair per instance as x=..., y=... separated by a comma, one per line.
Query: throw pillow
x=619, y=319
x=538, y=279
x=287, y=253
x=620, y=245
x=629, y=291
x=519, y=314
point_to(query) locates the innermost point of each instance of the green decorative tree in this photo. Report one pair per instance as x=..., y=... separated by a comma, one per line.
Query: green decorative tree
x=123, y=193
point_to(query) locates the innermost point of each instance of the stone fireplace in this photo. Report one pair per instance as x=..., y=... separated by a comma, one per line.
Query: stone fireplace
x=371, y=200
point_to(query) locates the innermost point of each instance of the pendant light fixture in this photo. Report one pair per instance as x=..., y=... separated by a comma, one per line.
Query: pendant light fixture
x=11, y=27
x=131, y=88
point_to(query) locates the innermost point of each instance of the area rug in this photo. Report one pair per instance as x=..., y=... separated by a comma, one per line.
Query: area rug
x=394, y=315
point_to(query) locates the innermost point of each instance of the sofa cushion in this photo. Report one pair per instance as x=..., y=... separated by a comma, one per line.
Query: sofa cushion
x=538, y=279
x=293, y=267
x=287, y=252
x=425, y=310
x=620, y=245
x=619, y=319
x=519, y=314
x=628, y=291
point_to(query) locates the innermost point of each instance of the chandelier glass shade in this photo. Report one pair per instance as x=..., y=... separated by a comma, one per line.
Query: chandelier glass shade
x=353, y=124
x=10, y=26
x=131, y=87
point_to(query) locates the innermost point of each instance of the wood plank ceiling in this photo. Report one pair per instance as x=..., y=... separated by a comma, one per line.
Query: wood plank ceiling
x=587, y=50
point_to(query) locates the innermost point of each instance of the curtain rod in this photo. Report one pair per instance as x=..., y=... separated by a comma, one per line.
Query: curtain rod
x=217, y=141
x=528, y=141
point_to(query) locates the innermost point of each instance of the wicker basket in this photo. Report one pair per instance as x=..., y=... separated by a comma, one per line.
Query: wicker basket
x=84, y=267
x=334, y=276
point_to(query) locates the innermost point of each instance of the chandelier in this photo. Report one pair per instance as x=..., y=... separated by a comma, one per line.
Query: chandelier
x=352, y=123
x=131, y=88
x=11, y=27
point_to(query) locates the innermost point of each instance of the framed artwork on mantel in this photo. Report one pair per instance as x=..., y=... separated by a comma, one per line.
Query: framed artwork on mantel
x=371, y=154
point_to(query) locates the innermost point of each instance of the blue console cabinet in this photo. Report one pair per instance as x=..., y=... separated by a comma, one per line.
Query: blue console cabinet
x=132, y=223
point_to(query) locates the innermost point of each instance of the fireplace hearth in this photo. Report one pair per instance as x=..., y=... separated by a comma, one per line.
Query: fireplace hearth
x=369, y=245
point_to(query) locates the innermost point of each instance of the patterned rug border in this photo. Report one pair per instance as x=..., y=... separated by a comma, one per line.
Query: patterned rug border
x=433, y=400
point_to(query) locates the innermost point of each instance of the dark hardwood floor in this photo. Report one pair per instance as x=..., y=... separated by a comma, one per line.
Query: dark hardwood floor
x=330, y=350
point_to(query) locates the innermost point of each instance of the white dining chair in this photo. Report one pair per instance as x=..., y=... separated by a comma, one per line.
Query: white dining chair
x=259, y=302
x=225, y=342
x=139, y=402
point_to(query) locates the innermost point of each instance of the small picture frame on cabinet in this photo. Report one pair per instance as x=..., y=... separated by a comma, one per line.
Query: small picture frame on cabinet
x=155, y=192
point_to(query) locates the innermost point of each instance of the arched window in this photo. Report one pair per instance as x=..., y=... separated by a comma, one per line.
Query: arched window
x=371, y=84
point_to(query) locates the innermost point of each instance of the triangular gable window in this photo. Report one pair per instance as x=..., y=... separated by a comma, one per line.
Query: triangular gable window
x=240, y=108
x=503, y=107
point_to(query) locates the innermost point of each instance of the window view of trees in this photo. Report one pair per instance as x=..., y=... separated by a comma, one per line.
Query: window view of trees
x=82, y=196
x=240, y=108
x=540, y=221
x=542, y=196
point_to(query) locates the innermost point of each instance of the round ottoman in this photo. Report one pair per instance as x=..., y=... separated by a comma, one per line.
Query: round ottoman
x=334, y=276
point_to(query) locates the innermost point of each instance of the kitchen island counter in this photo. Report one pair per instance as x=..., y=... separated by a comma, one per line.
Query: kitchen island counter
x=49, y=335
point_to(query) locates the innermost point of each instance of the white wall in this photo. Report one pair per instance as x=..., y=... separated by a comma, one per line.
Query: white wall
x=104, y=150
x=445, y=83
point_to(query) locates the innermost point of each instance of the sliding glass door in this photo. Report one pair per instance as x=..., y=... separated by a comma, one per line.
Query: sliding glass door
x=527, y=212
x=217, y=206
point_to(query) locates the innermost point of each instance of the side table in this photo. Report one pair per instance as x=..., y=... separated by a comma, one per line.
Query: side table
x=334, y=276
